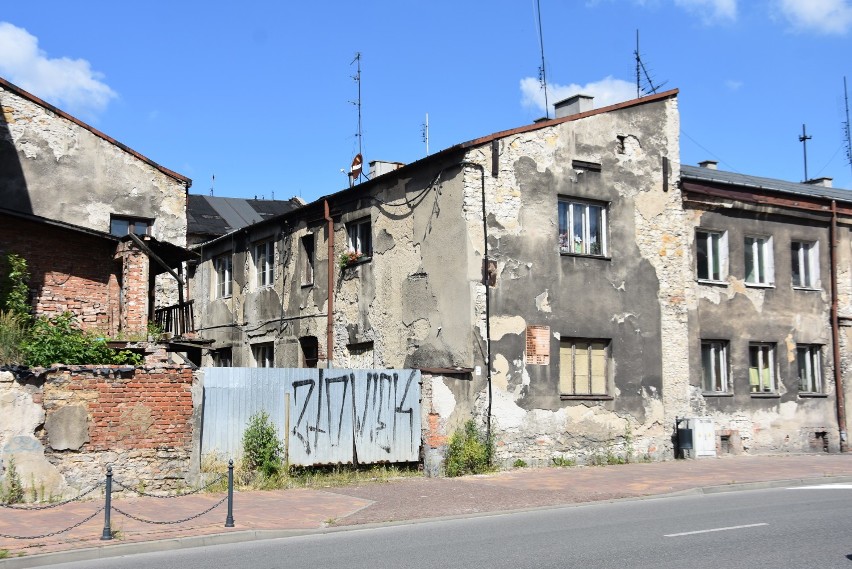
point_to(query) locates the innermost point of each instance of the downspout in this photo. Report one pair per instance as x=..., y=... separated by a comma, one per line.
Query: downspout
x=486, y=282
x=329, y=332
x=840, y=398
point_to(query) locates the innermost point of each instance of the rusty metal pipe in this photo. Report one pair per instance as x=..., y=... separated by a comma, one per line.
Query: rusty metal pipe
x=839, y=396
x=329, y=332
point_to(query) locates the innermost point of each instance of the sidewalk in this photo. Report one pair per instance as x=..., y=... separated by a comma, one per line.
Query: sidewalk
x=261, y=514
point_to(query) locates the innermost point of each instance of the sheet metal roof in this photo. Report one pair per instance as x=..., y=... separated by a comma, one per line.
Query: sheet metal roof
x=214, y=216
x=699, y=174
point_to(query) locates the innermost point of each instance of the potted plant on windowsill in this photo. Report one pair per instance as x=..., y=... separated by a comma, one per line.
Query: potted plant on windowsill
x=349, y=258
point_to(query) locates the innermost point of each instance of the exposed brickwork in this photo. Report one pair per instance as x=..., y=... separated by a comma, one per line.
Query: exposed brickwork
x=144, y=408
x=135, y=282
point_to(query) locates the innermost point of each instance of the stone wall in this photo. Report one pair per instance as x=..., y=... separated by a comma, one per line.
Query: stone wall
x=65, y=425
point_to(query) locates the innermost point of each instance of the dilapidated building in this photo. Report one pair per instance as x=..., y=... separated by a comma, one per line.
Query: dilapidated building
x=70, y=194
x=549, y=281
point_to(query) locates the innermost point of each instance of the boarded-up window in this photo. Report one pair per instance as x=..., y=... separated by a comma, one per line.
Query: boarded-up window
x=583, y=367
x=538, y=345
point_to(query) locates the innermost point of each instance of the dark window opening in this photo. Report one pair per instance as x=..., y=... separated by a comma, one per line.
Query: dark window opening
x=310, y=350
x=121, y=226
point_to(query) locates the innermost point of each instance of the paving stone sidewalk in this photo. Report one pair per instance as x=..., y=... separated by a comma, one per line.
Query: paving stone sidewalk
x=272, y=513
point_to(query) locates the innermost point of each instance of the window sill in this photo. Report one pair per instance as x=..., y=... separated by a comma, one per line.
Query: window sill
x=712, y=283
x=717, y=394
x=807, y=289
x=564, y=397
x=759, y=285
x=810, y=395
x=765, y=395
x=584, y=256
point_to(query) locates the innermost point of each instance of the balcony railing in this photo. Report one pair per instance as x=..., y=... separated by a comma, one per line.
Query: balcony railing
x=176, y=320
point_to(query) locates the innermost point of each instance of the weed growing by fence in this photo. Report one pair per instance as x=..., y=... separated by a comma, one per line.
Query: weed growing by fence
x=469, y=452
x=13, y=493
x=562, y=462
x=262, y=449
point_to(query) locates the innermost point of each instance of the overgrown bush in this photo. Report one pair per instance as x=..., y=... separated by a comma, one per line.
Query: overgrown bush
x=59, y=340
x=262, y=449
x=469, y=451
x=14, y=285
x=13, y=334
x=13, y=490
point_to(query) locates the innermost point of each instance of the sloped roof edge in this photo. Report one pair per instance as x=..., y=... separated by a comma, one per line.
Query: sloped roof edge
x=707, y=175
x=29, y=96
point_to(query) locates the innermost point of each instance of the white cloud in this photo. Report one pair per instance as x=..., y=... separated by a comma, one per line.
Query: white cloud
x=733, y=84
x=711, y=11
x=607, y=91
x=824, y=16
x=68, y=83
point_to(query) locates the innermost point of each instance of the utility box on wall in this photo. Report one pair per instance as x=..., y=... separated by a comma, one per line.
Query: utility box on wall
x=696, y=437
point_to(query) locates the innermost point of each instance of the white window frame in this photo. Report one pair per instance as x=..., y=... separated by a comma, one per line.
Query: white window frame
x=716, y=381
x=359, y=237
x=263, y=354
x=717, y=255
x=223, y=269
x=264, y=263
x=582, y=381
x=805, y=260
x=762, y=354
x=759, y=251
x=575, y=237
x=809, y=368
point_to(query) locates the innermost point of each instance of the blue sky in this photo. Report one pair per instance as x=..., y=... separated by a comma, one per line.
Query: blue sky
x=260, y=94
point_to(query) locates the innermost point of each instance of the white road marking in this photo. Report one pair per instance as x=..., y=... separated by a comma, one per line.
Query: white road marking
x=841, y=486
x=714, y=529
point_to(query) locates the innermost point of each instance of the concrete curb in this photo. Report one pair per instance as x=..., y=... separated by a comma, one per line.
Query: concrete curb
x=180, y=543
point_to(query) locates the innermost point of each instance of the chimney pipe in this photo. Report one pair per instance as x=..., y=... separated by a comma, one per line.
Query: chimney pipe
x=709, y=164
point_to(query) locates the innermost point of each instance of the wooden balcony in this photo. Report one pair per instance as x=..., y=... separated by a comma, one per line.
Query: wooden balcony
x=176, y=320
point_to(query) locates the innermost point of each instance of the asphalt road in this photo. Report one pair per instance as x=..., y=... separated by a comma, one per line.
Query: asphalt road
x=807, y=527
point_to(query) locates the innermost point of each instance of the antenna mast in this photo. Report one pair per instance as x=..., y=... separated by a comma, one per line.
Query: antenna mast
x=425, y=133
x=212, y=183
x=357, y=78
x=804, y=138
x=542, y=76
x=846, y=126
x=640, y=71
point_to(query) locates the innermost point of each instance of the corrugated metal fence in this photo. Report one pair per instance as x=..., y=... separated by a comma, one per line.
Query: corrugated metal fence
x=329, y=416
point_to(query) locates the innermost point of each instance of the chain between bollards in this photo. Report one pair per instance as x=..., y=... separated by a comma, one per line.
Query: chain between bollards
x=229, y=521
x=107, y=534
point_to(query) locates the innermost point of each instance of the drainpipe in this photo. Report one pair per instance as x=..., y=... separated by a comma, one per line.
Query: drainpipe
x=329, y=332
x=835, y=334
x=485, y=281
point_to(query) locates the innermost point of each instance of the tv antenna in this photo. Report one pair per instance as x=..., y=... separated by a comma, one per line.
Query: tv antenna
x=212, y=183
x=356, y=173
x=846, y=127
x=641, y=71
x=804, y=138
x=424, y=131
x=542, y=75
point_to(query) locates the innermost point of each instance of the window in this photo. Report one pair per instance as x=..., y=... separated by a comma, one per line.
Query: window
x=264, y=355
x=222, y=358
x=583, y=367
x=310, y=350
x=360, y=240
x=809, y=364
x=224, y=272
x=120, y=226
x=582, y=228
x=805, y=257
x=761, y=368
x=264, y=263
x=712, y=255
x=759, y=264
x=307, y=260
x=714, y=364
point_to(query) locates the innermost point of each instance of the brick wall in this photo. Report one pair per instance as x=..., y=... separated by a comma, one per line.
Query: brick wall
x=135, y=286
x=69, y=271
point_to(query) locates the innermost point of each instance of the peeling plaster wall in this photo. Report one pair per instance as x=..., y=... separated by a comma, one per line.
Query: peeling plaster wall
x=739, y=313
x=632, y=297
x=57, y=169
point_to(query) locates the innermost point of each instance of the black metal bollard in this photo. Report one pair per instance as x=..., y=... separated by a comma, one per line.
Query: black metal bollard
x=229, y=521
x=107, y=534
